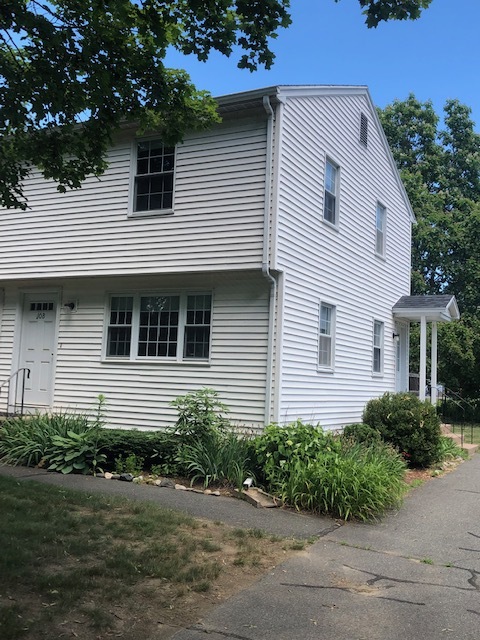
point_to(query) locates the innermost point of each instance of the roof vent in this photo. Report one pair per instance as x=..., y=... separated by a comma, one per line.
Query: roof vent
x=363, y=129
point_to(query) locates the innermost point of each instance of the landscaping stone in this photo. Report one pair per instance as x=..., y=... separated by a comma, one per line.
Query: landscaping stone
x=126, y=477
x=138, y=480
x=107, y=475
x=166, y=482
x=180, y=487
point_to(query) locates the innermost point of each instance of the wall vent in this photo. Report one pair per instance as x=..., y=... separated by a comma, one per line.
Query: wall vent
x=363, y=129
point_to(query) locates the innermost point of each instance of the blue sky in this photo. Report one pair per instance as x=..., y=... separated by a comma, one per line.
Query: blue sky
x=436, y=57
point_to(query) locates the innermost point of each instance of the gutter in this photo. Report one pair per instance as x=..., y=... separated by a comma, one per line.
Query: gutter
x=265, y=259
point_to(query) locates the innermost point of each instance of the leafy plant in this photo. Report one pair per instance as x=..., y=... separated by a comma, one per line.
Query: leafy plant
x=279, y=449
x=410, y=425
x=448, y=449
x=221, y=457
x=76, y=452
x=357, y=481
x=360, y=432
x=25, y=440
x=131, y=464
x=200, y=413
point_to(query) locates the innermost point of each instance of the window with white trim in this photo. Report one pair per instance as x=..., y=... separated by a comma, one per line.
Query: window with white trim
x=153, y=189
x=172, y=326
x=330, y=205
x=380, y=228
x=326, y=336
x=378, y=333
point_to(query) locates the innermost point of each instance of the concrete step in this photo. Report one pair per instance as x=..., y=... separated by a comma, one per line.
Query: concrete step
x=457, y=438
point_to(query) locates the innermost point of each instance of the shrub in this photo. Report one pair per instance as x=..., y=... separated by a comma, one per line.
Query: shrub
x=279, y=449
x=410, y=425
x=357, y=481
x=77, y=452
x=219, y=457
x=360, y=432
x=449, y=450
x=157, y=448
x=200, y=413
x=25, y=440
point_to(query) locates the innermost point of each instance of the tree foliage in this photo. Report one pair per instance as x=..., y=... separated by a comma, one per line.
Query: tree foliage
x=73, y=71
x=440, y=166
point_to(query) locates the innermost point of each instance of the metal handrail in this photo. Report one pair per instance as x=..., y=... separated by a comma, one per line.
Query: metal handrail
x=7, y=383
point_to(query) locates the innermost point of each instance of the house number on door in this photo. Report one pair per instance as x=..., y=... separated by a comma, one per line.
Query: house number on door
x=40, y=316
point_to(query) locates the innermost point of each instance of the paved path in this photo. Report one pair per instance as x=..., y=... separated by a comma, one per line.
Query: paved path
x=414, y=576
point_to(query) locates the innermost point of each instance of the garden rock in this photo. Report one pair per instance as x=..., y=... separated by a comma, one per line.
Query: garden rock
x=166, y=482
x=126, y=477
x=107, y=475
x=180, y=487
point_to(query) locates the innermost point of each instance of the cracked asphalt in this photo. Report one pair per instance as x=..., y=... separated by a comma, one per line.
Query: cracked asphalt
x=413, y=576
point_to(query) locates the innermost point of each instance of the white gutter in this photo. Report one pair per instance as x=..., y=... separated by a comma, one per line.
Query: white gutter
x=266, y=259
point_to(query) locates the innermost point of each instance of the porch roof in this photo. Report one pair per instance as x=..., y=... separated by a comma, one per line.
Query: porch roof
x=441, y=308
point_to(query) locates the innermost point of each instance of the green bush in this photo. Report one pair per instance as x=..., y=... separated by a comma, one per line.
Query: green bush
x=449, y=450
x=410, y=425
x=200, y=413
x=219, y=457
x=360, y=432
x=25, y=440
x=357, y=481
x=75, y=452
x=157, y=448
x=279, y=449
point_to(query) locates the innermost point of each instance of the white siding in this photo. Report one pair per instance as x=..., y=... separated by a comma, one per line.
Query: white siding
x=217, y=223
x=337, y=266
x=138, y=393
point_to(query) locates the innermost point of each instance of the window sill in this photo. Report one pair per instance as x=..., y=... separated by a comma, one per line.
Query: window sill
x=377, y=374
x=151, y=214
x=156, y=361
x=381, y=257
x=330, y=225
x=325, y=370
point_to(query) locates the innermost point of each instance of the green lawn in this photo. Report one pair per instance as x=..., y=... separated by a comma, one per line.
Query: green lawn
x=74, y=565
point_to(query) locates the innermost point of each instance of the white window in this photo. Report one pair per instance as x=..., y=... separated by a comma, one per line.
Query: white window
x=378, y=331
x=330, y=205
x=159, y=326
x=153, y=189
x=380, y=227
x=326, y=336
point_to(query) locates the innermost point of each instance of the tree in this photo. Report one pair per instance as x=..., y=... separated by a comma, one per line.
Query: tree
x=441, y=172
x=73, y=71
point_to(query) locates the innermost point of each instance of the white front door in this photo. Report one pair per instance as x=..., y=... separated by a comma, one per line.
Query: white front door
x=38, y=347
x=401, y=356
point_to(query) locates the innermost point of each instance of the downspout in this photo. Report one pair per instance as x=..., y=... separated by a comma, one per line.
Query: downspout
x=266, y=259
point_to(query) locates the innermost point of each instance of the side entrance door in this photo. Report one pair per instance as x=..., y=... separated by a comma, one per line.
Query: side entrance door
x=38, y=347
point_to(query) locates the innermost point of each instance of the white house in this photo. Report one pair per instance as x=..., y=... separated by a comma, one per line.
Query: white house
x=261, y=258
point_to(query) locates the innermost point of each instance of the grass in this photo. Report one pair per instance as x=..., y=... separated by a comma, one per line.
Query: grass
x=76, y=565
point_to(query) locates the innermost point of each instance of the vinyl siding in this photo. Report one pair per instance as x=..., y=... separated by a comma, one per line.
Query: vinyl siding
x=337, y=266
x=217, y=222
x=138, y=393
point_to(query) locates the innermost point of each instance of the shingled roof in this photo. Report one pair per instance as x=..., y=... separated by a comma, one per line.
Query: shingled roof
x=442, y=308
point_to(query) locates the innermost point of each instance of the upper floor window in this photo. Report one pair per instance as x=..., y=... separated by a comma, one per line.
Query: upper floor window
x=330, y=205
x=380, y=225
x=155, y=165
x=378, y=331
x=159, y=326
x=326, y=336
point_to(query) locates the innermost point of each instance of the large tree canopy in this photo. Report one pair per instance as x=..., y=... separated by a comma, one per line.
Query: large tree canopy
x=440, y=167
x=72, y=71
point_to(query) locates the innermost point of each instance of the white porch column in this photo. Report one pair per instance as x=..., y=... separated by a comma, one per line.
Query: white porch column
x=423, y=357
x=433, y=380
